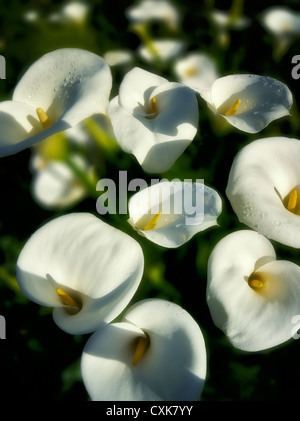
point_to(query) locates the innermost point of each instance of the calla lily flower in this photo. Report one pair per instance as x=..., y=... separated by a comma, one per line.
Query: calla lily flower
x=283, y=24
x=147, y=11
x=156, y=353
x=55, y=185
x=57, y=92
x=226, y=20
x=281, y=21
x=164, y=214
x=62, y=173
x=252, y=296
x=154, y=119
x=162, y=49
x=120, y=57
x=75, y=12
x=196, y=70
x=263, y=188
x=84, y=268
x=249, y=102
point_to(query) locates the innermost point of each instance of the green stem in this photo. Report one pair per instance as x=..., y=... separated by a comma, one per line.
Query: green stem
x=11, y=283
x=100, y=135
x=83, y=177
x=236, y=10
x=143, y=33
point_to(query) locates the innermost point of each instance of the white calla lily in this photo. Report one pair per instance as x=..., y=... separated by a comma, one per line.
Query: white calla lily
x=252, y=296
x=249, y=102
x=119, y=57
x=164, y=213
x=283, y=24
x=227, y=20
x=75, y=12
x=154, y=119
x=146, y=11
x=281, y=21
x=84, y=268
x=196, y=70
x=62, y=174
x=57, y=92
x=162, y=49
x=263, y=188
x=55, y=185
x=156, y=353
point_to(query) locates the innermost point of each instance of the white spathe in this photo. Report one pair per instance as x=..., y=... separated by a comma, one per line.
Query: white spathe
x=196, y=70
x=172, y=368
x=281, y=21
x=98, y=266
x=186, y=209
x=54, y=184
x=151, y=11
x=75, y=12
x=262, y=100
x=226, y=20
x=118, y=57
x=155, y=133
x=68, y=84
x=252, y=319
x=261, y=177
x=163, y=49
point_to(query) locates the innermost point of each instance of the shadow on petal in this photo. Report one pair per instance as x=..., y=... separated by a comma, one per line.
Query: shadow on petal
x=163, y=369
x=162, y=156
x=176, y=106
x=13, y=132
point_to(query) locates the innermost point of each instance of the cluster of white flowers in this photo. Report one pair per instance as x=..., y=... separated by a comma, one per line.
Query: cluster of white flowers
x=90, y=271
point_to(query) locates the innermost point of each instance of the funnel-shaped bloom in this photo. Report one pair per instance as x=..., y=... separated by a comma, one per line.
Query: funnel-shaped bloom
x=196, y=70
x=119, y=57
x=229, y=21
x=154, y=119
x=171, y=213
x=58, y=91
x=55, y=185
x=162, y=49
x=75, y=12
x=252, y=296
x=62, y=172
x=264, y=188
x=249, y=102
x=281, y=22
x=156, y=353
x=154, y=11
x=284, y=26
x=84, y=268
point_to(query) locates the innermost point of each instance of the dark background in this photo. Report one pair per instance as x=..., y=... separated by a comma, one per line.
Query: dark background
x=38, y=361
